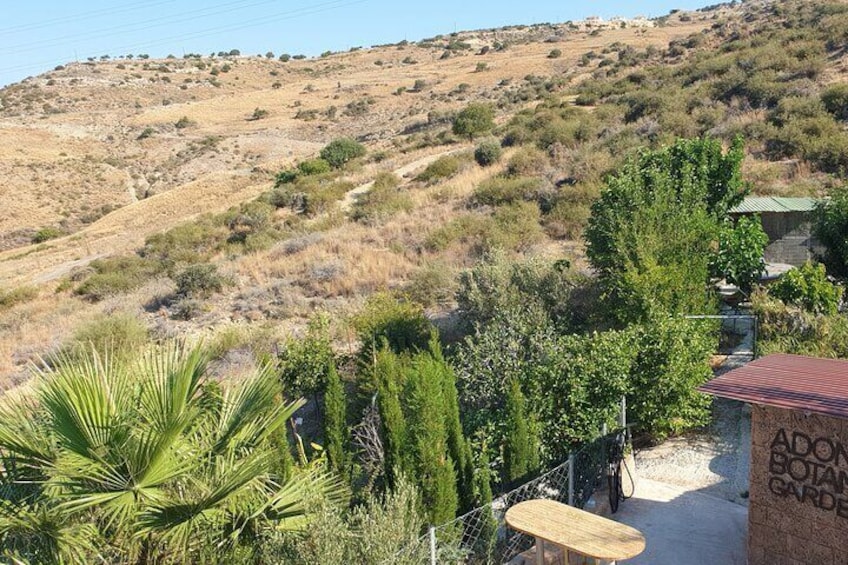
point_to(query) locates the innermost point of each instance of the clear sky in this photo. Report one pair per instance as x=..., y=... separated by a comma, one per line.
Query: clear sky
x=37, y=35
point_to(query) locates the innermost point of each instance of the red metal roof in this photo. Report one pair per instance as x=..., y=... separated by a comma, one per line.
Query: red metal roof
x=793, y=382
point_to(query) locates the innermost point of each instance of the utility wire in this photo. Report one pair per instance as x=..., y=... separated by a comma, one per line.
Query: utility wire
x=246, y=24
x=82, y=16
x=143, y=25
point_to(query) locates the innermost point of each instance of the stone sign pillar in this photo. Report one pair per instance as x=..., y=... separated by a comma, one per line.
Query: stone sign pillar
x=798, y=511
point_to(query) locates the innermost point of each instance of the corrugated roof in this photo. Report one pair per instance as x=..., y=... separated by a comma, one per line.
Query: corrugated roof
x=793, y=382
x=759, y=204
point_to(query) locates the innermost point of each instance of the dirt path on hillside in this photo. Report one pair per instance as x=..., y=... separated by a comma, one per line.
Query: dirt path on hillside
x=350, y=197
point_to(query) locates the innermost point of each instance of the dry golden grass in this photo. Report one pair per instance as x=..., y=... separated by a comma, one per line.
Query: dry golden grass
x=88, y=153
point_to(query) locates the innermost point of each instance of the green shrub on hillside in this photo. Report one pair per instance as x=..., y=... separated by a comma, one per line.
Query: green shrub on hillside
x=341, y=151
x=383, y=200
x=313, y=167
x=474, y=120
x=199, y=281
x=488, y=152
x=117, y=275
x=442, y=168
x=498, y=191
x=45, y=234
x=121, y=335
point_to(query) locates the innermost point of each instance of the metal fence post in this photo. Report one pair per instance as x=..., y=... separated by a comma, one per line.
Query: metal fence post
x=622, y=414
x=571, y=479
x=432, y=533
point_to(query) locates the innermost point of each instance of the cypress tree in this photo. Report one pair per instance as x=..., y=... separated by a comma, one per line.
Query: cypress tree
x=428, y=439
x=335, y=425
x=485, y=542
x=458, y=447
x=521, y=446
x=388, y=375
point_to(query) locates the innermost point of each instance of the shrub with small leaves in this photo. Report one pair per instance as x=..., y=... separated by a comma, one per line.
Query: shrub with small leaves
x=199, y=280
x=488, y=152
x=807, y=287
x=341, y=151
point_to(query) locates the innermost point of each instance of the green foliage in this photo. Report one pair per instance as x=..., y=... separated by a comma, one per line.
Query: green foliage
x=382, y=529
x=127, y=458
x=650, y=233
x=498, y=191
x=17, y=295
x=427, y=438
x=672, y=361
x=45, y=234
x=388, y=374
x=835, y=100
x=474, y=120
x=258, y=113
x=739, y=259
x=788, y=329
x=306, y=363
x=402, y=325
x=521, y=446
x=116, y=275
x=385, y=199
x=526, y=161
x=192, y=242
x=830, y=227
x=313, y=167
x=335, y=420
x=487, y=152
x=497, y=284
x=199, y=281
x=442, y=168
x=555, y=54
x=121, y=335
x=341, y=151
x=807, y=287
x=514, y=227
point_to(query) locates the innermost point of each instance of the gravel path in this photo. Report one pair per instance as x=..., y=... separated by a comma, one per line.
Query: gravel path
x=716, y=460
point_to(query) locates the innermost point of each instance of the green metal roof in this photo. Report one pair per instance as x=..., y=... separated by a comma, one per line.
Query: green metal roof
x=759, y=204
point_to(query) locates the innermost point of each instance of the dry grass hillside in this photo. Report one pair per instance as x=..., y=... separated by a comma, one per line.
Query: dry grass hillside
x=139, y=196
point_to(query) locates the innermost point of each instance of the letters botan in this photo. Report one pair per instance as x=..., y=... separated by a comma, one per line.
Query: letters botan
x=813, y=471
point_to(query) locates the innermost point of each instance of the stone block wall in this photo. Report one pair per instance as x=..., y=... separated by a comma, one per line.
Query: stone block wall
x=798, y=511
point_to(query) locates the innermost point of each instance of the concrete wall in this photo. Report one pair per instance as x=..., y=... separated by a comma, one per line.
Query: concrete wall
x=798, y=511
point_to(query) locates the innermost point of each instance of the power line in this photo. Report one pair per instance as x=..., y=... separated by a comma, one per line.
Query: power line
x=246, y=24
x=82, y=16
x=142, y=25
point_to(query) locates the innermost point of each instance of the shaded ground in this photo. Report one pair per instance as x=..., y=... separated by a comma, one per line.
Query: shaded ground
x=684, y=527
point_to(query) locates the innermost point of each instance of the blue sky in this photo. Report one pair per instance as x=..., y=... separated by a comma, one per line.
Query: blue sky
x=37, y=35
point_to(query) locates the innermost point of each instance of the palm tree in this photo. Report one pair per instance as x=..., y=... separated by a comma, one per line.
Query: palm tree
x=148, y=461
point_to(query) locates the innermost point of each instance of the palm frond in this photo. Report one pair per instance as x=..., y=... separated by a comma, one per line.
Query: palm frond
x=252, y=411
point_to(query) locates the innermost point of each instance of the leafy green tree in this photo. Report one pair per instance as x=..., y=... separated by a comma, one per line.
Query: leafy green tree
x=807, y=287
x=306, y=362
x=488, y=152
x=147, y=461
x=830, y=227
x=672, y=361
x=335, y=420
x=521, y=446
x=341, y=151
x=474, y=120
x=739, y=258
x=650, y=233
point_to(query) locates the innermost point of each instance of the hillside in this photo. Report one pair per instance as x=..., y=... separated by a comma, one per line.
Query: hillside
x=106, y=154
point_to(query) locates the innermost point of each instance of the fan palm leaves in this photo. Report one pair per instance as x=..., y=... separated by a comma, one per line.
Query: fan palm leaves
x=149, y=457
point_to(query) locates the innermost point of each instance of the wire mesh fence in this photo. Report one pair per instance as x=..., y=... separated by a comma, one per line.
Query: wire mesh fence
x=481, y=536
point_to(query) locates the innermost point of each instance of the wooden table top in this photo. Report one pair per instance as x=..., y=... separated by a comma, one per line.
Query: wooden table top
x=575, y=529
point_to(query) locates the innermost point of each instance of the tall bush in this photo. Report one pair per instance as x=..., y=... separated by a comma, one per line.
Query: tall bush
x=739, y=258
x=521, y=445
x=341, y=151
x=807, y=287
x=830, y=227
x=335, y=420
